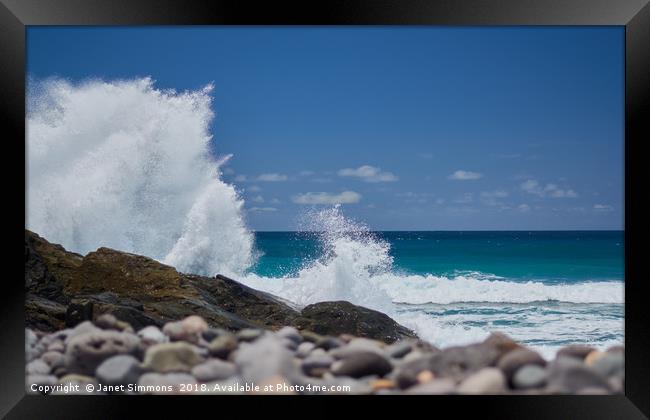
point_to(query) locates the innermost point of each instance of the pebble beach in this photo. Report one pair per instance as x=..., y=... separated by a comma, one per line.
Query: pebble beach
x=107, y=356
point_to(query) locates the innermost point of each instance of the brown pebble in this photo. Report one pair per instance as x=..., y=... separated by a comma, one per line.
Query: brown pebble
x=593, y=356
x=379, y=384
x=425, y=376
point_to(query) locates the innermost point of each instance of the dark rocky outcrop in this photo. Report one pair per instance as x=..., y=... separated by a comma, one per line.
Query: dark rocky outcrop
x=63, y=289
x=335, y=318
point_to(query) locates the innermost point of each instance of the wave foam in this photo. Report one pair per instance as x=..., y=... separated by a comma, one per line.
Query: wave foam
x=125, y=165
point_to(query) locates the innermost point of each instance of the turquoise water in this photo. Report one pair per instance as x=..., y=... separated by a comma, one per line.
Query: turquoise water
x=549, y=257
x=544, y=289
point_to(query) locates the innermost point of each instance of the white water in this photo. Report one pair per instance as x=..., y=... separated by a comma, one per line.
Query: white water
x=125, y=165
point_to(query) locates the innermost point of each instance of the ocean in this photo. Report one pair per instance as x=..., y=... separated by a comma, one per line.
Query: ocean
x=546, y=289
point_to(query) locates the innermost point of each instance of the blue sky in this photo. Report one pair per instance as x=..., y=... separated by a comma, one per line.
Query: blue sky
x=418, y=128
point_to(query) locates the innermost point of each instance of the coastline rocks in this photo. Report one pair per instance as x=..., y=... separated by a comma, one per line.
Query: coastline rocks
x=65, y=289
x=335, y=318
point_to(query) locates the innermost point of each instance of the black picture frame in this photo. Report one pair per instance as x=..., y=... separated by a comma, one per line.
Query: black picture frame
x=634, y=15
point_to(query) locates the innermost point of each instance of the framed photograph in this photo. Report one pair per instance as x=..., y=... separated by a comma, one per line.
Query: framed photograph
x=434, y=201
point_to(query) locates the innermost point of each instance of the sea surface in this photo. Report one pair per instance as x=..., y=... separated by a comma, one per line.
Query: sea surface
x=544, y=288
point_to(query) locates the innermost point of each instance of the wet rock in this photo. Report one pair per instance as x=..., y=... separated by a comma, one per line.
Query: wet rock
x=335, y=318
x=518, y=358
x=485, y=381
x=119, y=370
x=213, y=370
x=529, y=376
x=171, y=357
x=78, y=310
x=86, y=351
x=363, y=364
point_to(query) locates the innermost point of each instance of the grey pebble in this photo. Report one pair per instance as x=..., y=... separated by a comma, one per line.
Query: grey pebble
x=529, y=376
x=363, y=364
x=38, y=367
x=119, y=370
x=213, y=370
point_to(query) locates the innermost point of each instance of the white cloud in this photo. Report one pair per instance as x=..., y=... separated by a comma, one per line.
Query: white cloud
x=523, y=207
x=258, y=199
x=272, y=177
x=346, y=197
x=461, y=175
x=464, y=199
x=495, y=194
x=306, y=173
x=603, y=207
x=262, y=209
x=369, y=174
x=240, y=178
x=491, y=198
x=275, y=201
x=254, y=188
x=531, y=186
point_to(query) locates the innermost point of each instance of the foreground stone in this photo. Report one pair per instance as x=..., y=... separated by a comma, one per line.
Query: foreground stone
x=180, y=360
